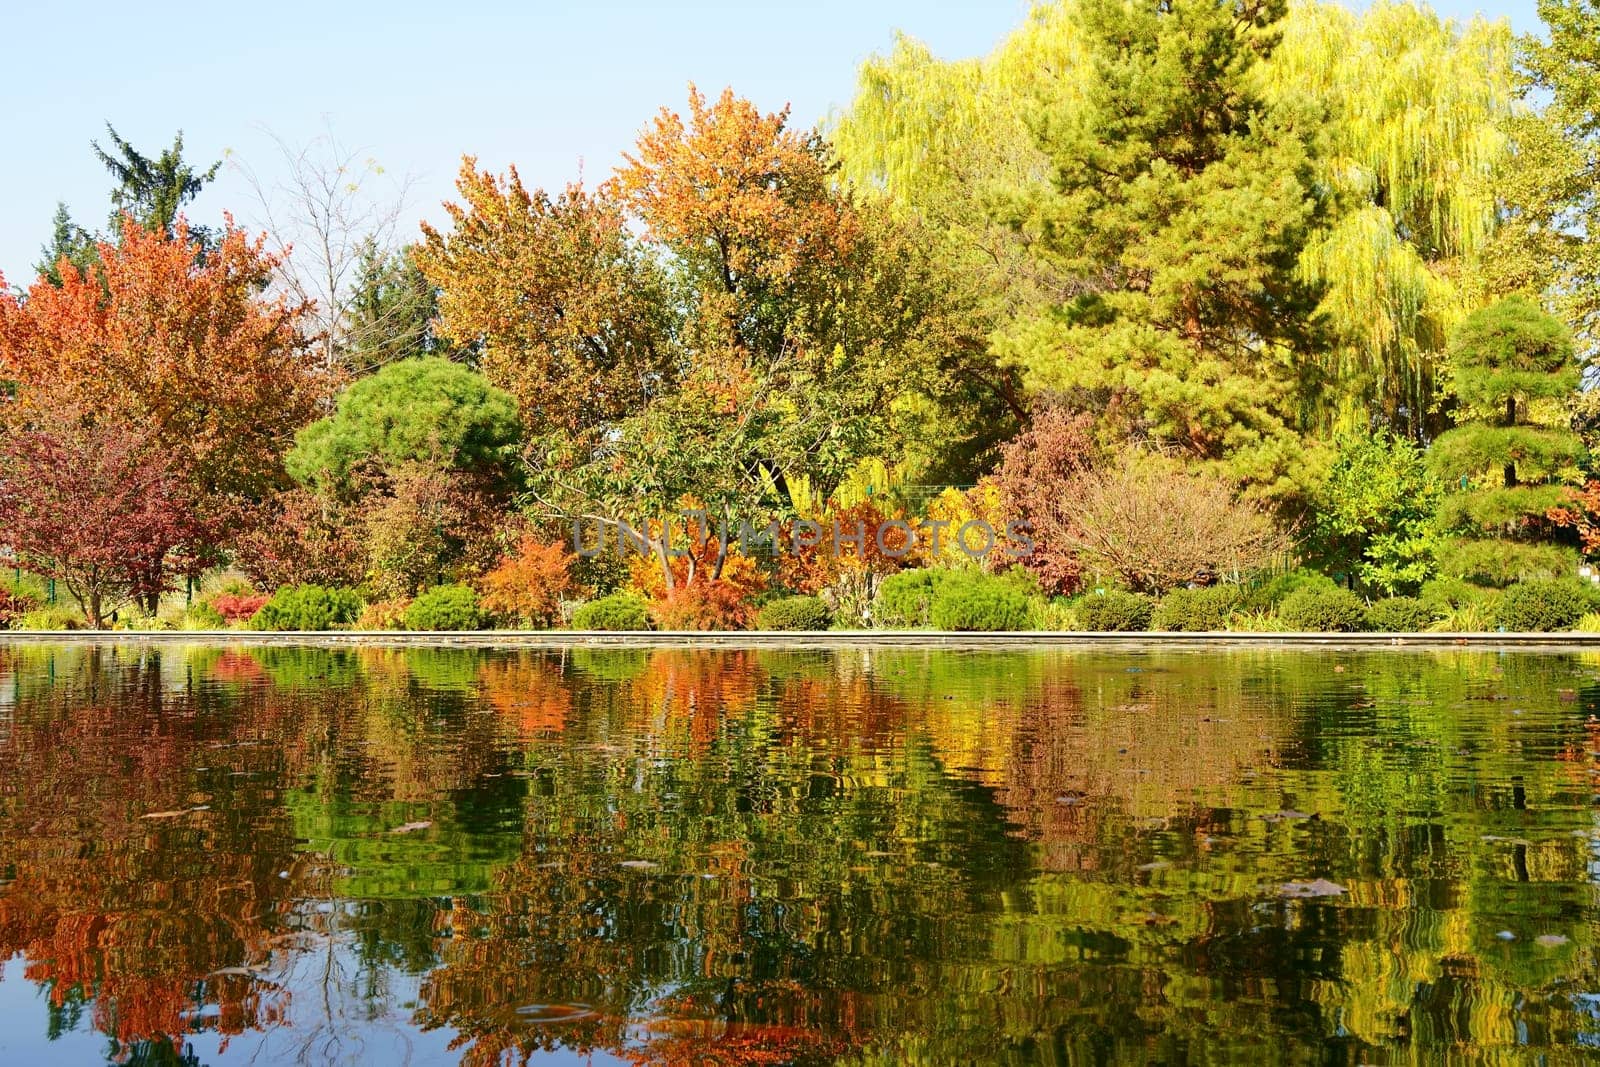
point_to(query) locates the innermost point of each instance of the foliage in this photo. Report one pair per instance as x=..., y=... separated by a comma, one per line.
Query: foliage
x=905, y=600
x=297, y=535
x=14, y=603
x=1268, y=594
x=1503, y=356
x=1400, y=614
x=445, y=607
x=566, y=310
x=307, y=607
x=390, y=313
x=1580, y=510
x=1549, y=181
x=1179, y=202
x=1196, y=610
x=794, y=613
x=1499, y=563
x=1548, y=604
x=1038, y=473
x=383, y=615
x=619, y=611
x=1155, y=528
x=237, y=607
x=530, y=583
x=52, y=617
x=152, y=191
x=709, y=604
x=1377, y=513
x=425, y=410
x=102, y=509
x=211, y=371
x=423, y=526
x=1114, y=610
x=974, y=601
x=1323, y=611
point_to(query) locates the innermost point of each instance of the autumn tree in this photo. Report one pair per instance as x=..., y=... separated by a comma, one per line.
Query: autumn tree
x=99, y=507
x=182, y=347
x=561, y=305
x=1037, y=475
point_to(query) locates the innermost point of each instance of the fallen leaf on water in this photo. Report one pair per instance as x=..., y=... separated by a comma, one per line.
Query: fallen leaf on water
x=1317, y=887
x=1550, y=940
x=639, y=865
x=166, y=814
x=406, y=828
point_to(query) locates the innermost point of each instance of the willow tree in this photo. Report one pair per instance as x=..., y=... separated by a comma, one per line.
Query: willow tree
x=1415, y=110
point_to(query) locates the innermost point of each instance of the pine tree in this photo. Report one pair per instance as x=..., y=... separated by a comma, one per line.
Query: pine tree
x=1181, y=201
x=1513, y=366
x=153, y=191
x=68, y=241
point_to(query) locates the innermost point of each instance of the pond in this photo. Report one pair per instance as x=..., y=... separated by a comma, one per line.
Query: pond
x=251, y=854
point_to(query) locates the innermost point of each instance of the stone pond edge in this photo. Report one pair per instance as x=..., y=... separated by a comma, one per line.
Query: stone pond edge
x=1033, y=639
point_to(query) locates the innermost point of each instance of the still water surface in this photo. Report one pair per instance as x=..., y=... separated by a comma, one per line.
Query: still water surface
x=214, y=855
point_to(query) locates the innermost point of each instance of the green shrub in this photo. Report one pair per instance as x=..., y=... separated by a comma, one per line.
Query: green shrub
x=1589, y=624
x=445, y=607
x=53, y=617
x=1329, y=611
x=202, y=616
x=1265, y=596
x=906, y=599
x=1400, y=615
x=619, y=611
x=1055, y=614
x=1114, y=611
x=1501, y=563
x=1545, y=604
x=976, y=602
x=794, y=613
x=1195, y=610
x=307, y=607
x=1444, y=595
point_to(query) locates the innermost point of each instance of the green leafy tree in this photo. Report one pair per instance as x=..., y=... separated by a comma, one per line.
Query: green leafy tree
x=1377, y=516
x=1181, y=200
x=1550, y=183
x=425, y=410
x=1513, y=368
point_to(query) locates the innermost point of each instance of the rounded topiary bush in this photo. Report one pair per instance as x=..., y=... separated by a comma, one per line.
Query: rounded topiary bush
x=1400, y=615
x=1266, y=595
x=1195, y=610
x=979, y=603
x=1329, y=611
x=1115, y=611
x=445, y=607
x=307, y=607
x=1545, y=604
x=795, y=613
x=906, y=599
x=619, y=611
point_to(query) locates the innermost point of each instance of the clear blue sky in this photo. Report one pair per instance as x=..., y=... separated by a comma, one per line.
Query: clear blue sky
x=547, y=86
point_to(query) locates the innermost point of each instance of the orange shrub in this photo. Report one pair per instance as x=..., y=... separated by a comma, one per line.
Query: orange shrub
x=529, y=583
x=712, y=604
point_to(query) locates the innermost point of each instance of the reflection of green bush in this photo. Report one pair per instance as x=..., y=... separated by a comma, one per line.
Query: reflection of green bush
x=299, y=668
x=611, y=665
x=445, y=669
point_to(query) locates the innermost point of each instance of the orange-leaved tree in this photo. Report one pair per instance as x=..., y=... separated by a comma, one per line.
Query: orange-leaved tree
x=180, y=348
x=529, y=583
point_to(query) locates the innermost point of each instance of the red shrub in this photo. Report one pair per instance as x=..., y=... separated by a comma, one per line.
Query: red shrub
x=711, y=605
x=237, y=607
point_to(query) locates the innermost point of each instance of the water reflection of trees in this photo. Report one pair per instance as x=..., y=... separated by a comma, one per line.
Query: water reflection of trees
x=740, y=856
